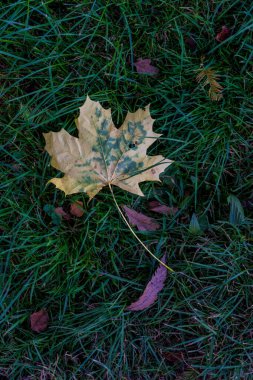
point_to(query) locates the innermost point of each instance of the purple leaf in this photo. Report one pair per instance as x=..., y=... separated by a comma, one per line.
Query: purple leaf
x=39, y=320
x=143, y=66
x=154, y=286
x=141, y=221
x=223, y=34
x=162, y=209
x=59, y=211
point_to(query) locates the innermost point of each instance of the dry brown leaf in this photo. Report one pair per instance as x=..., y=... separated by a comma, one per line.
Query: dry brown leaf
x=141, y=221
x=154, y=286
x=162, y=209
x=76, y=209
x=143, y=66
x=103, y=154
x=209, y=77
x=39, y=320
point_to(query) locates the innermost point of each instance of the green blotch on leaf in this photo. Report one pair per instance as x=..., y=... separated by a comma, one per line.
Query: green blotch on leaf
x=103, y=130
x=112, y=143
x=127, y=165
x=87, y=180
x=137, y=132
x=98, y=112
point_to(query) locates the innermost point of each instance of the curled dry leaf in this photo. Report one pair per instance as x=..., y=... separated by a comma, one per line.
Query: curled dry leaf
x=223, y=34
x=103, y=154
x=59, y=211
x=162, y=209
x=141, y=221
x=154, y=286
x=39, y=320
x=143, y=66
x=76, y=209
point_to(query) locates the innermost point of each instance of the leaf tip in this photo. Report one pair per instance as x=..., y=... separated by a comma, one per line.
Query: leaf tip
x=58, y=184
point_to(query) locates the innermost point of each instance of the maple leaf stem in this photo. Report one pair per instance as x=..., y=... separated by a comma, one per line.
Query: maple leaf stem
x=130, y=228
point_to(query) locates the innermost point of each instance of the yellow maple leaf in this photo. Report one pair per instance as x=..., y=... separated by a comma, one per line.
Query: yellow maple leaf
x=104, y=155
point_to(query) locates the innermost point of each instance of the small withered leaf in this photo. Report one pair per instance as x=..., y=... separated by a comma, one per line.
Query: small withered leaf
x=223, y=34
x=209, y=77
x=154, y=286
x=76, y=209
x=39, y=321
x=141, y=221
x=59, y=211
x=162, y=209
x=143, y=66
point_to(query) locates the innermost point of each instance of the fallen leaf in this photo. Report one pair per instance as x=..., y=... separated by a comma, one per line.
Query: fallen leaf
x=162, y=209
x=50, y=211
x=103, y=154
x=76, y=209
x=154, y=286
x=141, y=221
x=208, y=76
x=223, y=34
x=143, y=66
x=39, y=320
x=59, y=211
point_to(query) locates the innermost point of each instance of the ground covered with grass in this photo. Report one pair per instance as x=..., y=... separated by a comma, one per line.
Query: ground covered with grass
x=85, y=271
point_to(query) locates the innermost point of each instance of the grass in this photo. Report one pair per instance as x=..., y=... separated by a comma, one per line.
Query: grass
x=85, y=271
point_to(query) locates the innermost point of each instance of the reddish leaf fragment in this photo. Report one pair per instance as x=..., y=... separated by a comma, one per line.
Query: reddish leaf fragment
x=154, y=286
x=141, y=221
x=224, y=34
x=62, y=213
x=162, y=209
x=76, y=209
x=143, y=66
x=39, y=321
